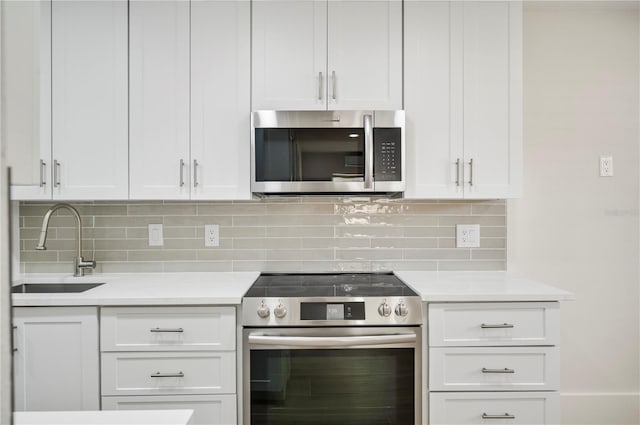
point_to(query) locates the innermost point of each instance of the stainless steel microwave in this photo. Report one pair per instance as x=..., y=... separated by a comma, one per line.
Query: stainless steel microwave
x=327, y=152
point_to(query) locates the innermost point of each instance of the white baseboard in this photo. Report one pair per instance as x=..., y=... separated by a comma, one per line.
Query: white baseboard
x=600, y=408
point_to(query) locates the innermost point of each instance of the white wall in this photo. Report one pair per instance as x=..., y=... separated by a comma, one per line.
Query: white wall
x=573, y=228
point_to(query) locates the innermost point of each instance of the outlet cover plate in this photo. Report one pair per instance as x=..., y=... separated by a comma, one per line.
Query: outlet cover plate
x=606, y=166
x=211, y=235
x=468, y=236
x=155, y=235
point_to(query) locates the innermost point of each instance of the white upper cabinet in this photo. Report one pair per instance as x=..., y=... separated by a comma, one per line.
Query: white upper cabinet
x=463, y=99
x=89, y=100
x=190, y=99
x=318, y=55
x=26, y=90
x=159, y=99
x=65, y=107
x=289, y=50
x=364, y=66
x=492, y=85
x=220, y=99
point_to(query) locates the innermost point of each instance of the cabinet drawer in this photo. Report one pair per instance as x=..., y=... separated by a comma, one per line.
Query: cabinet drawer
x=478, y=324
x=168, y=373
x=207, y=409
x=539, y=408
x=167, y=328
x=494, y=369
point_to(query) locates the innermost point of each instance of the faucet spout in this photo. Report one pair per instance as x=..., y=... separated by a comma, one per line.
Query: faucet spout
x=80, y=263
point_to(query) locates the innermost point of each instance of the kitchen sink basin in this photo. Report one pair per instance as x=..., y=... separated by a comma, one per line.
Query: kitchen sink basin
x=52, y=288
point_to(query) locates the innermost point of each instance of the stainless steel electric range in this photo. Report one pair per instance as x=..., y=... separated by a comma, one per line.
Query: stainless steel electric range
x=325, y=349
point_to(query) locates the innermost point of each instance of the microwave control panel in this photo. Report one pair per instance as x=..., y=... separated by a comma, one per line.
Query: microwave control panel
x=387, y=148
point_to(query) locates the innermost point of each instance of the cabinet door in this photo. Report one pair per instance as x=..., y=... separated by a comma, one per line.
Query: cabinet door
x=159, y=99
x=26, y=88
x=492, y=82
x=289, y=54
x=89, y=99
x=433, y=103
x=220, y=99
x=56, y=359
x=365, y=54
x=219, y=409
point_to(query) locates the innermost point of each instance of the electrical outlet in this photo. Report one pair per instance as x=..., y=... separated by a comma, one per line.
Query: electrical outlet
x=606, y=166
x=211, y=235
x=468, y=236
x=155, y=235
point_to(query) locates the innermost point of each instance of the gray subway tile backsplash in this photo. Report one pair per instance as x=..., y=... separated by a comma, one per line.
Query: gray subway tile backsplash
x=274, y=234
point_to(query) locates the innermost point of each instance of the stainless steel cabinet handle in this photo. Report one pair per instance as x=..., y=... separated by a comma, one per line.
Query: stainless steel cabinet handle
x=497, y=326
x=175, y=330
x=333, y=85
x=43, y=170
x=505, y=370
x=15, y=328
x=167, y=375
x=368, y=151
x=195, y=173
x=505, y=416
x=471, y=172
x=56, y=173
x=458, y=172
x=320, y=85
x=181, y=172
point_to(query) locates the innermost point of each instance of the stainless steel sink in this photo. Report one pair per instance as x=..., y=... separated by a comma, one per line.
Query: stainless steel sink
x=52, y=288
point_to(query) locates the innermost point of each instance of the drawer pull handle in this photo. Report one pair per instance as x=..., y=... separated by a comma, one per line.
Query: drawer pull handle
x=498, y=326
x=505, y=370
x=167, y=375
x=505, y=416
x=176, y=330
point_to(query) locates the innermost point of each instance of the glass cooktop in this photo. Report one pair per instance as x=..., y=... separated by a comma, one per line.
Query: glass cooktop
x=329, y=285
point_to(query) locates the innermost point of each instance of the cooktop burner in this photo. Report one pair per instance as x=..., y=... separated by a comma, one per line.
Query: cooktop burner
x=329, y=285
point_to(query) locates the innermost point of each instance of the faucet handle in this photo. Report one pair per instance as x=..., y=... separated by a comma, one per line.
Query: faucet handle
x=84, y=264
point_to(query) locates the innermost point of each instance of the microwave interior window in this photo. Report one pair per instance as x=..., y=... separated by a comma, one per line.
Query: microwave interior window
x=309, y=154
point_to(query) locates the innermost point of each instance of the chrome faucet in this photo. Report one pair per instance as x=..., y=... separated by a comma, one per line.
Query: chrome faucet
x=79, y=263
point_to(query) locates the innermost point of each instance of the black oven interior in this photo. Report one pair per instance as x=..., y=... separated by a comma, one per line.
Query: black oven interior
x=362, y=386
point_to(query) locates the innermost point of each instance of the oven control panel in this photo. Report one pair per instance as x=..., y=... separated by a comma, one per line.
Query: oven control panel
x=331, y=311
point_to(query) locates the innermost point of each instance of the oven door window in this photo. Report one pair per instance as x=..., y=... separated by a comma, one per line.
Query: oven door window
x=309, y=154
x=327, y=386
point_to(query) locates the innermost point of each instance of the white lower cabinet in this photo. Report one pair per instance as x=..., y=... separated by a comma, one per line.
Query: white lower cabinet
x=472, y=408
x=56, y=358
x=494, y=368
x=170, y=358
x=207, y=409
x=493, y=362
x=168, y=373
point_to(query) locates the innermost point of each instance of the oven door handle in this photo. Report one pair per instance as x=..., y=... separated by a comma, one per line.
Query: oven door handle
x=331, y=341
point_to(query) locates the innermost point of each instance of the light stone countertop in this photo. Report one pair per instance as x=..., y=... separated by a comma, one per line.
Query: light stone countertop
x=480, y=286
x=229, y=288
x=106, y=417
x=143, y=289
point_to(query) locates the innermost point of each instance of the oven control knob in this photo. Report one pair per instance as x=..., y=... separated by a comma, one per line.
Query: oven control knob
x=384, y=309
x=263, y=311
x=280, y=311
x=402, y=310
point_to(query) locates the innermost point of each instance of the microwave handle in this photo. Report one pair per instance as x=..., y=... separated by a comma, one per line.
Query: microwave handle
x=368, y=152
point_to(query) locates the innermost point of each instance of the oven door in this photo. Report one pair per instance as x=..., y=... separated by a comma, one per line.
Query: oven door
x=327, y=376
